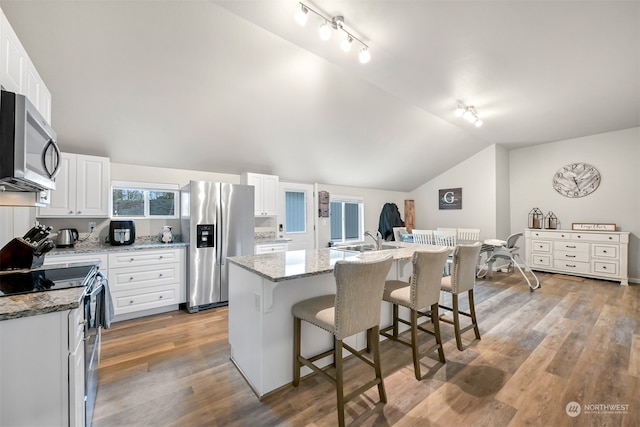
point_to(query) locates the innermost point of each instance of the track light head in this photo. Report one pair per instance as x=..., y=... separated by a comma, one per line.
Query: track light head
x=364, y=56
x=302, y=15
x=325, y=31
x=346, y=44
x=469, y=114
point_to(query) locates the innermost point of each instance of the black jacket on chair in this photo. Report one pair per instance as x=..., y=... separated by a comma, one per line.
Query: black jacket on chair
x=389, y=218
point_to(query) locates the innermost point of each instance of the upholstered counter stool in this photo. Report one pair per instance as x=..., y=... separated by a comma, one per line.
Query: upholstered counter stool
x=422, y=291
x=462, y=279
x=354, y=308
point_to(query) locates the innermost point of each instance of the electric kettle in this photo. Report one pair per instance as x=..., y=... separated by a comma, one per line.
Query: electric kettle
x=67, y=237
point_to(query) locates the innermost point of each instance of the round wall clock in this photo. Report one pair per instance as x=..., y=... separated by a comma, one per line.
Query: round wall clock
x=576, y=180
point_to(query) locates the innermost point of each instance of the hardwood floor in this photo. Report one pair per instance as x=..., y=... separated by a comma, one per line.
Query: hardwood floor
x=573, y=340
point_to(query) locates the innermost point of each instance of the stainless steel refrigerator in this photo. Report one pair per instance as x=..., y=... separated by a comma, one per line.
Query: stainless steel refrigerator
x=217, y=221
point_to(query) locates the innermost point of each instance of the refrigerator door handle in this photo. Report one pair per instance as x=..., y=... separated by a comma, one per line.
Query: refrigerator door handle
x=222, y=245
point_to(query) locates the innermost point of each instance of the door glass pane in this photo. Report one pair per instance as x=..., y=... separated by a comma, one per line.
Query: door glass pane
x=162, y=203
x=128, y=202
x=336, y=220
x=295, y=212
x=351, y=217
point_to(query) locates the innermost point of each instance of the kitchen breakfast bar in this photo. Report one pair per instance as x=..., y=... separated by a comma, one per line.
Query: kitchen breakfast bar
x=262, y=290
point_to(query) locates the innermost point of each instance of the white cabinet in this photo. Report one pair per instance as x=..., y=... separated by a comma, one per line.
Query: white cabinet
x=266, y=192
x=82, y=188
x=42, y=370
x=147, y=279
x=268, y=248
x=18, y=74
x=602, y=255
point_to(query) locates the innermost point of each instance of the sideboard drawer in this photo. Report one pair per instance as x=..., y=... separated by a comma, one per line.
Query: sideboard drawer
x=606, y=267
x=604, y=251
x=550, y=235
x=571, y=266
x=541, y=260
x=597, y=237
x=571, y=246
x=571, y=256
x=541, y=246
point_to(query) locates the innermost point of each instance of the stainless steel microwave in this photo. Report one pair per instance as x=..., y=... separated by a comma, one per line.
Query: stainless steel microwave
x=29, y=156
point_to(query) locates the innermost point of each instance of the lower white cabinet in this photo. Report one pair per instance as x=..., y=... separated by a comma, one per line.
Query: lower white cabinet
x=597, y=254
x=268, y=248
x=145, y=280
x=42, y=370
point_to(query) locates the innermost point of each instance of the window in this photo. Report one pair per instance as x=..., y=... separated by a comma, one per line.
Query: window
x=296, y=212
x=346, y=218
x=144, y=200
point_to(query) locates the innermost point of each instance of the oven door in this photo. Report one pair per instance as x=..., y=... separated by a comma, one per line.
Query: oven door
x=92, y=349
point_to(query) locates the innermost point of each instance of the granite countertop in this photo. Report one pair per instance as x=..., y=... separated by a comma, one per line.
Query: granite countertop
x=277, y=267
x=101, y=247
x=33, y=304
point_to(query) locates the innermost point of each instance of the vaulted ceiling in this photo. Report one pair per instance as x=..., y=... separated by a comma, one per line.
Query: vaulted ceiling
x=236, y=86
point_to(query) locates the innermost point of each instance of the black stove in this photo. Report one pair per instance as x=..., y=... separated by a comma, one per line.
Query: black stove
x=45, y=279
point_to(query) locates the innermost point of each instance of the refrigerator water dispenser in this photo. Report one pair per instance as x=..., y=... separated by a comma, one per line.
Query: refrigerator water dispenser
x=205, y=236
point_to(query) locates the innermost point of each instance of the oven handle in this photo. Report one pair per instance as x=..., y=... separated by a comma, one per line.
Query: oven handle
x=96, y=290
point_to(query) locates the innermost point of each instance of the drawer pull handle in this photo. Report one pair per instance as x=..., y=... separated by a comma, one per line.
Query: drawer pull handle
x=579, y=236
x=130, y=259
x=562, y=235
x=131, y=278
x=160, y=275
x=160, y=256
x=570, y=247
x=160, y=296
x=610, y=238
x=131, y=302
x=570, y=256
x=604, y=252
x=604, y=267
x=569, y=265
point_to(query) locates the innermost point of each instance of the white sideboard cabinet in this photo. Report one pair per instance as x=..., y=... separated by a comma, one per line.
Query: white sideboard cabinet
x=596, y=254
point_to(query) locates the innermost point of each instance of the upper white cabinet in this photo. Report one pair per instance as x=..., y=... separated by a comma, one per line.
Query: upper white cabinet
x=17, y=72
x=82, y=188
x=266, y=192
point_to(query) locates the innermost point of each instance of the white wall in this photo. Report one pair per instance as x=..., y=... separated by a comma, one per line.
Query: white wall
x=617, y=200
x=477, y=176
x=374, y=200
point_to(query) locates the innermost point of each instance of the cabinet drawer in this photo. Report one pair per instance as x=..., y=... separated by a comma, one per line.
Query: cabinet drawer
x=122, y=279
x=550, y=235
x=127, y=304
x=571, y=266
x=604, y=251
x=571, y=256
x=571, y=246
x=541, y=260
x=541, y=246
x=605, y=267
x=131, y=258
x=596, y=237
x=101, y=259
x=271, y=248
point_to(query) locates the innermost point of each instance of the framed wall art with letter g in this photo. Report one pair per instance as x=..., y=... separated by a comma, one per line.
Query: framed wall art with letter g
x=450, y=198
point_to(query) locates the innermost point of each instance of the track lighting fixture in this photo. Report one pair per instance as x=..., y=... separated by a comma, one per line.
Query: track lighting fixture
x=326, y=29
x=469, y=114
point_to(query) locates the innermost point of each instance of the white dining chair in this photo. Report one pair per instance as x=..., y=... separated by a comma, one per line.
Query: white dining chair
x=423, y=237
x=398, y=232
x=447, y=229
x=445, y=238
x=470, y=234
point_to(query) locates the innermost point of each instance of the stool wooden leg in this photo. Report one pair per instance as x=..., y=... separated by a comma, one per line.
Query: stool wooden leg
x=414, y=343
x=395, y=320
x=456, y=321
x=297, y=324
x=337, y=356
x=435, y=319
x=472, y=312
x=377, y=366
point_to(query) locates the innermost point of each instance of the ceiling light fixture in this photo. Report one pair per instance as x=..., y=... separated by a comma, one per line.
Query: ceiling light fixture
x=469, y=114
x=334, y=23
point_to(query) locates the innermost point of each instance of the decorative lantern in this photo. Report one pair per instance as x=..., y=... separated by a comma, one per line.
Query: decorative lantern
x=535, y=218
x=550, y=221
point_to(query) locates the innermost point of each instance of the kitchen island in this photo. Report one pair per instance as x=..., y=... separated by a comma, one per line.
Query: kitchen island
x=262, y=290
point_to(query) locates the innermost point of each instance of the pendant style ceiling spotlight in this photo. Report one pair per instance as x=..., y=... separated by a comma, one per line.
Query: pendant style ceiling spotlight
x=326, y=29
x=469, y=114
